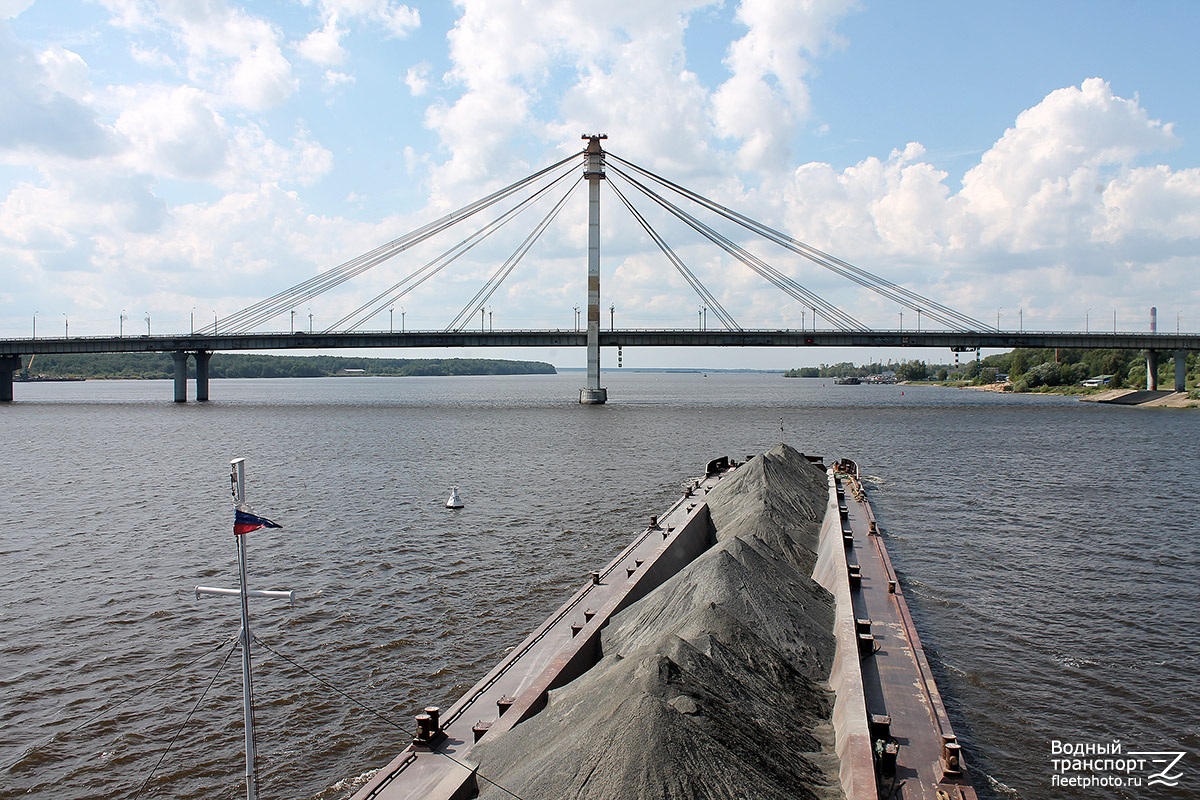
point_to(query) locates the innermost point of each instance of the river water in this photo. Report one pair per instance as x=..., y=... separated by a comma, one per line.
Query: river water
x=1047, y=547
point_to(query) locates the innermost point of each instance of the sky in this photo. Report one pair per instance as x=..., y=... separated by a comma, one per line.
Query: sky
x=1029, y=164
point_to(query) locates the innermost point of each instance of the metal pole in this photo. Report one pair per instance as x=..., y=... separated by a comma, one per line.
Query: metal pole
x=237, y=479
x=247, y=690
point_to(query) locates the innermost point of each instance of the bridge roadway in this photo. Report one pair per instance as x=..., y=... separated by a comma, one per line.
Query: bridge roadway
x=202, y=345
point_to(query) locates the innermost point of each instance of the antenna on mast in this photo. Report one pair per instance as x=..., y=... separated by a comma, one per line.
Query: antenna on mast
x=244, y=522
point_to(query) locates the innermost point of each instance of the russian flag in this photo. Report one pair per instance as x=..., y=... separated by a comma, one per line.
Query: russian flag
x=244, y=521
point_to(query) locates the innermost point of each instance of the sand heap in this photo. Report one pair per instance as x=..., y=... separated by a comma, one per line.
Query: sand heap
x=711, y=686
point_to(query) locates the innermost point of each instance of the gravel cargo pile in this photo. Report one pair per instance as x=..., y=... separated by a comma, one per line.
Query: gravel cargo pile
x=711, y=686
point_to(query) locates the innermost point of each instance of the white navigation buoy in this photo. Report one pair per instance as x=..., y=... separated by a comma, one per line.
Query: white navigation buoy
x=454, y=501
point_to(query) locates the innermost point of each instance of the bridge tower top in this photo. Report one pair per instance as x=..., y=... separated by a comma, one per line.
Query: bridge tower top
x=594, y=166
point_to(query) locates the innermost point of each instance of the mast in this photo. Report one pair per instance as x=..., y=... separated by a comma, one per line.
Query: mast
x=237, y=481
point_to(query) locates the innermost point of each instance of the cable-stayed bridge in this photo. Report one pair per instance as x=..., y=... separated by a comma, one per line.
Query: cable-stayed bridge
x=253, y=328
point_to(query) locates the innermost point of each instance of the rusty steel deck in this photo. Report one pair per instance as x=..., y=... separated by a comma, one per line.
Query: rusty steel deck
x=917, y=755
x=895, y=740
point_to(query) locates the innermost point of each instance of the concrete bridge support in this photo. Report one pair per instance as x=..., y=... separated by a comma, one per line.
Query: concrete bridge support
x=1151, y=370
x=1181, y=370
x=181, y=359
x=593, y=170
x=9, y=366
x=202, y=359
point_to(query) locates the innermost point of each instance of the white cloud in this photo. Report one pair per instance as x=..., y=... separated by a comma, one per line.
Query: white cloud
x=11, y=9
x=334, y=78
x=234, y=55
x=766, y=97
x=44, y=107
x=397, y=19
x=66, y=72
x=324, y=45
x=174, y=133
x=1046, y=175
x=417, y=79
x=1058, y=197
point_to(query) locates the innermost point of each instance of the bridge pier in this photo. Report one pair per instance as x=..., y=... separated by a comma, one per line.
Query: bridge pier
x=1180, y=370
x=202, y=359
x=9, y=366
x=1151, y=370
x=593, y=170
x=180, y=358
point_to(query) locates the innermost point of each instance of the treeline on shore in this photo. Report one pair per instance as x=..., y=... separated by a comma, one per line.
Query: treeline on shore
x=147, y=366
x=1025, y=369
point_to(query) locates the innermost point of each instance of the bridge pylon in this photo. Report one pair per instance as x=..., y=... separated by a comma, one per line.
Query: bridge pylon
x=593, y=170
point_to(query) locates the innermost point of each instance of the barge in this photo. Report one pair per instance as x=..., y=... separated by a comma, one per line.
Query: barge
x=751, y=641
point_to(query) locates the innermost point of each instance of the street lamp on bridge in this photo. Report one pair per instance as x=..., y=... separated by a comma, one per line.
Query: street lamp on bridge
x=293, y=328
x=35, y=324
x=998, y=310
x=121, y=325
x=612, y=316
x=1087, y=319
x=66, y=326
x=402, y=319
x=192, y=321
x=391, y=320
x=310, y=329
x=577, y=319
x=147, y=323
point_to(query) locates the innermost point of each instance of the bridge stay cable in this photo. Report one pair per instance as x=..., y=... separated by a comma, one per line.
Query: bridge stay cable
x=781, y=281
x=258, y=313
x=504, y=270
x=414, y=279
x=939, y=312
x=697, y=285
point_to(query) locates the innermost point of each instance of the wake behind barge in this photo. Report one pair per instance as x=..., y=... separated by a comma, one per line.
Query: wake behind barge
x=890, y=733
